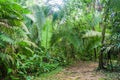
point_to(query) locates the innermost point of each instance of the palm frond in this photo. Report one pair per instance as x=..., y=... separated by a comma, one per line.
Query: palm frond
x=91, y=33
x=25, y=43
x=115, y=5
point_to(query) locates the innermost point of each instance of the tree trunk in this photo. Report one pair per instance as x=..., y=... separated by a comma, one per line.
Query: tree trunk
x=101, y=60
x=103, y=35
x=101, y=52
x=95, y=54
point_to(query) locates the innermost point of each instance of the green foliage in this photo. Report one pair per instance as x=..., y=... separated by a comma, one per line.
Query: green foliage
x=75, y=36
x=34, y=65
x=11, y=15
x=37, y=39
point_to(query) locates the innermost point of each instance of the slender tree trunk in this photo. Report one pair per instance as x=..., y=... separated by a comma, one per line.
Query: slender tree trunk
x=101, y=66
x=101, y=52
x=95, y=54
x=118, y=58
x=46, y=44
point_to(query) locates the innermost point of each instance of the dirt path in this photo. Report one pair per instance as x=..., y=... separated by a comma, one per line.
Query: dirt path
x=79, y=71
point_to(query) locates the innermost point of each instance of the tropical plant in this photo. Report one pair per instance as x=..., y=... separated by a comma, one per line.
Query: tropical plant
x=110, y=45
x=11, y=32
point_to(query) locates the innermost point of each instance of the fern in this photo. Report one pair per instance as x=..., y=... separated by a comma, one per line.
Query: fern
x=11, y=18
x=6, y=39
x=7, y=59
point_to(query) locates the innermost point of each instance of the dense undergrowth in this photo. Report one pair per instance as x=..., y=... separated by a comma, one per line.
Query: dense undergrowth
x=36, y=37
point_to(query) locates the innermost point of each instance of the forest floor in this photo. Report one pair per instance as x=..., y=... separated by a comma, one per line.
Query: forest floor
x=79, y=71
